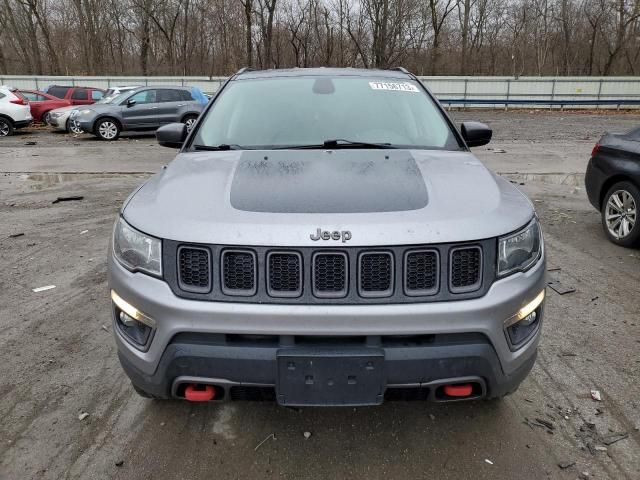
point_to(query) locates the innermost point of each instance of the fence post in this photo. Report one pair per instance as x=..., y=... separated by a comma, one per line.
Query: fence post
x=464, y=105
x=553, y=93
x=599, y=92
x=506, y=105
x=37, y=86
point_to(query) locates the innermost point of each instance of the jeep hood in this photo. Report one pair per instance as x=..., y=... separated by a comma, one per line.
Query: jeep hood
x=281, y=198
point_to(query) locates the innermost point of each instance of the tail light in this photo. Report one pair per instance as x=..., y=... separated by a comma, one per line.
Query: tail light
x=595, y=150
x=20, y=101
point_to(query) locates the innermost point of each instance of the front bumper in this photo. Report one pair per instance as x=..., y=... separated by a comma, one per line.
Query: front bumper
x=22, y=123
x=208, y=340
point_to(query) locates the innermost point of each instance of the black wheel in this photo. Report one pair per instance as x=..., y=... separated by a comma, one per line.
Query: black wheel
x=619, y=214
x=6, y=127
x=190, y=121
x=46, y=117
x=73, y=127
x=107, y=129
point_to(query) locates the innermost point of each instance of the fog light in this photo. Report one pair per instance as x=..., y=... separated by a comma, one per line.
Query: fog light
x=521, y=331
x=126, y=320
x=521, y=326
x=132, y=323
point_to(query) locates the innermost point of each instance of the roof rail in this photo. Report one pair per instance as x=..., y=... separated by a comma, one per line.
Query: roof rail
x=245, y=69
x=400, y=69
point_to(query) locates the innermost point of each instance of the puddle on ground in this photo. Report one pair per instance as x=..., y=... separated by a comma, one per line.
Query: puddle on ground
x=46, y=180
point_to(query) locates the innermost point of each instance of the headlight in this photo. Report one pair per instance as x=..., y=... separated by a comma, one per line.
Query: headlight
x=84, y=112
x=55, y=115
x=519, y=251
x=135, y=250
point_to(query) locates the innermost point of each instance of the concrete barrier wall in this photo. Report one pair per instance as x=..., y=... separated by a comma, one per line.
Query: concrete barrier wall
x=460, y=91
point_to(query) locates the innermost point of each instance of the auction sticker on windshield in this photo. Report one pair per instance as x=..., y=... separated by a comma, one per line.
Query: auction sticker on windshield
x=400, y=87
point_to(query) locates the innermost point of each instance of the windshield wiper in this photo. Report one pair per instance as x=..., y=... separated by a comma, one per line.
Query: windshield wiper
x=339, y=143
x=218, y=148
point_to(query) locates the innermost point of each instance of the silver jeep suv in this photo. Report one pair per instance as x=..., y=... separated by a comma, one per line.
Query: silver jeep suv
x=325, y=237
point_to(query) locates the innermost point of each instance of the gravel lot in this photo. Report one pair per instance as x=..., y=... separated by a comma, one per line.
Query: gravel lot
x=58, y=357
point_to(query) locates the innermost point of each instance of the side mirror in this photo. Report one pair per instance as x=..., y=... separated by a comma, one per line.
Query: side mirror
x=475, y=134
x=172, y=135
x=131, y=102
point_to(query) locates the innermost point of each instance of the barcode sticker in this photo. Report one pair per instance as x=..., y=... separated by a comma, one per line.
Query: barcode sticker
x=398, y=87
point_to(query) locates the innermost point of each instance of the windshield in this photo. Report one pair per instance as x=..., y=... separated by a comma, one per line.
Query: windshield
x=306, y=111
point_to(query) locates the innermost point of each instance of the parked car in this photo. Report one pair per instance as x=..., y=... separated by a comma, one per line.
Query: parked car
x=59, y=119
x=332, y=242
x=113, y=91
x=14, y=111
x=42, y=103
x=145, y=108
x=613, y=185
x=76, y=95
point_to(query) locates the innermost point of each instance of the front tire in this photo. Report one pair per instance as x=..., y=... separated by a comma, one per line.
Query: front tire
x=72, y=127
x=107, y=129
x=45, y=118
x=620, y=213
x=189, y=121
x=6, y=127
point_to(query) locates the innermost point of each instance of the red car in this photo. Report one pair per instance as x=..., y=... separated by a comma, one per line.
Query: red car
x=42, y=103
x=76, y=95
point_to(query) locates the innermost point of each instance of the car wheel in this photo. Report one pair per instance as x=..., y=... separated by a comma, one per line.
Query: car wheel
x=6, y=127
x=189, y=121
x=72, y=127
x=107, y=129
x=619, y=214
x=45, y=118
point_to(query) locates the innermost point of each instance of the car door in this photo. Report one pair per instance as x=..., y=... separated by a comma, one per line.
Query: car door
x=170, y=104
x=80, y=96
x=140, y=111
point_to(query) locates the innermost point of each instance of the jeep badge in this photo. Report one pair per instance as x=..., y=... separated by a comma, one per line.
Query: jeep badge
x=320, y=234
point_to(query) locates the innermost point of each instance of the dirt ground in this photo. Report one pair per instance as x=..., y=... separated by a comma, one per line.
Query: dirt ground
x=58, y=359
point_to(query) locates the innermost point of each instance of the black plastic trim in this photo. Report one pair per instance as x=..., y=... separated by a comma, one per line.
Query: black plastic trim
x=489, y=247
x=338, y=294
x=237, y=291
x=467, y=288
x=425, y=292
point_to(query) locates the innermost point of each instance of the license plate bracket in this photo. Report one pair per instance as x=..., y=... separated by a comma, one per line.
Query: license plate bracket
x=330, y=377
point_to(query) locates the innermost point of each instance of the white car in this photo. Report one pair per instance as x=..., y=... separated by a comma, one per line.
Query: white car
x=14, y=111
x=59, y=119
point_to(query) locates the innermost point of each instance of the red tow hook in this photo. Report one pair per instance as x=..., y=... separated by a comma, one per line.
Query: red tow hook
x=196, y=392
x=460, y=390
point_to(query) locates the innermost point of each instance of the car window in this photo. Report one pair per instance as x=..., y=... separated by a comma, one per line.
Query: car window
x=168, y=95
x=186, y=96
x=96, y=95
x=146, y=96
x=79, y=94
x=34, y=97
x=59, y=92
x=2, y=95
x=309, y=110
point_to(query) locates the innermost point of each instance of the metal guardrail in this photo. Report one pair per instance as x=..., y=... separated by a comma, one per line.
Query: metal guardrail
x=467, y=91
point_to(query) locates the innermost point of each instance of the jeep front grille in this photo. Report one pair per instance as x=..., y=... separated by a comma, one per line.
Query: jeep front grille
x=376, y=274
x=422, y=271
x=465, y=269
x=284, y=274
x=194, y=273
x=238, y=272
x=330, y=273
x=344, y=275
